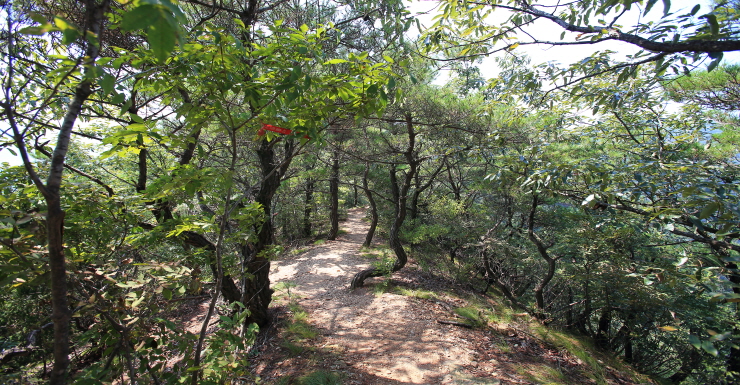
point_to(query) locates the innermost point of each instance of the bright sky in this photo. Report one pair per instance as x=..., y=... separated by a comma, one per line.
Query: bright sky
x=548, y=30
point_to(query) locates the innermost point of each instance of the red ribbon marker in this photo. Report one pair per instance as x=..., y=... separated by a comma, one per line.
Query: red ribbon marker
x=279, y=130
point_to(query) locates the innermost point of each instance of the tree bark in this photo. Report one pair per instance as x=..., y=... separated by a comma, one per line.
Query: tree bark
x=61, y=314
x=542, y=249
x=308, y=208
x=229, y=289
x=334, y=197
x=602, y=334
x=373, y=208
x=419, y=188
x=256, y=293
x=355, y=200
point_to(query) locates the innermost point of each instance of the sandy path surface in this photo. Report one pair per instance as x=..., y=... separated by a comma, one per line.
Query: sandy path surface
x=383, y=339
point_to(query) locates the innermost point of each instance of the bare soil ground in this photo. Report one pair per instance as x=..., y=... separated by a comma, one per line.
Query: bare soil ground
x=373, y=338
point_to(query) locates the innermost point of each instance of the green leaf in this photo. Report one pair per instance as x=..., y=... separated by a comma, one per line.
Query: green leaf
x=710, y=209
x=161, y=38
x=695, y=341
x=118, y=98
x=140, y=17
x=714, y=63
x=709, y=348
x=649, y=6
x=136, y=118
x=107, y=82
x=666, y=7
x=38, y=31
x=39, y=18
x=335, y=61
x=713, y=24
x=391, y=83
x=70, y=35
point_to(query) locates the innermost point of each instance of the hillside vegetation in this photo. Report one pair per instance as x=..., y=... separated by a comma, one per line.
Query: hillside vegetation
x=413, y=328
x=160, y=158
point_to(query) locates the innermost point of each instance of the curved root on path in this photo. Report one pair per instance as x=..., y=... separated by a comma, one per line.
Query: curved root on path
x=359, y=279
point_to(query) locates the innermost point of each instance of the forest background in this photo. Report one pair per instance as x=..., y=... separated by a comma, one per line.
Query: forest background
x=581, y=192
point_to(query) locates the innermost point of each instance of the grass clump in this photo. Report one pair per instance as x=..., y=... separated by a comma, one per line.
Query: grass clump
x=320, y=377
x=542, y=374
x=383, y=287
x=292, y=348
x=297, y=330
x=472, y=315
x=594, y=369
x=376, y=253
x=416, y=293
x=299, y=250
x=301, y=331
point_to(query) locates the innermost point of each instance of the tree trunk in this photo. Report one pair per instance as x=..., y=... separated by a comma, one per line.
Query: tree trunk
x=583, y=318
x=415, y=198
x=256, y=293
x=61, y=314
x=569, y=312
x=688, y=364
x=551, y=262
x=373, y=208
x=229, y=289
x=455, y=188
x=308, y=207
x=494, y=278
x=602, y=334
x=400, y=198
x=355, y=200
x=733, y=361
x=334, y=197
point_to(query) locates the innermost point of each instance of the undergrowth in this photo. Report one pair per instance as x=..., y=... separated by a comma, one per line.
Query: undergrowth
x=320, y=377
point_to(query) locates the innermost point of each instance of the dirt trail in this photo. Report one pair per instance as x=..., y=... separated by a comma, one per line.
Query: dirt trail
x=382, y=339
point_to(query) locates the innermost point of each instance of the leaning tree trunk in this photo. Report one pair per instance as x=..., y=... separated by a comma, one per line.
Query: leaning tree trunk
x=61, y=314
x=400, y=197
x=162, y=211
x=257, y=294
x=334, y=197
x=229, y=289
x=373, y=208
